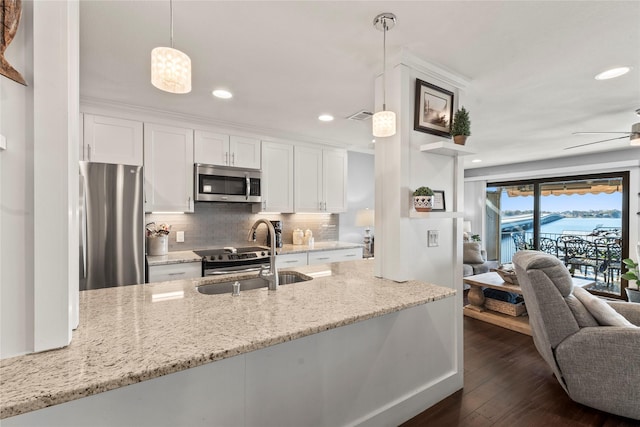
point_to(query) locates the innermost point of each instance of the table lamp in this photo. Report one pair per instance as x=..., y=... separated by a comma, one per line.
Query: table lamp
x=466, y=227
x=365, y=218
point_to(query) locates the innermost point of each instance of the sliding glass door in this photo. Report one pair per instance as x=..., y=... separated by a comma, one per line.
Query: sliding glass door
x=581, y=220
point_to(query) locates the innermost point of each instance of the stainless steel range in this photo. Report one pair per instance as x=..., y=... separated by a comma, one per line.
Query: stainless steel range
x=233, y=260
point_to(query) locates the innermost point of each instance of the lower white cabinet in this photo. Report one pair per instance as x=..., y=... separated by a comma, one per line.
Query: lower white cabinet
x=337, y=255
x=180, y=271
x=318, y=257
x=291, y=260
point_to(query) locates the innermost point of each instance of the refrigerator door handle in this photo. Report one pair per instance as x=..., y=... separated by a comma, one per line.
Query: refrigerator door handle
x=83, y=228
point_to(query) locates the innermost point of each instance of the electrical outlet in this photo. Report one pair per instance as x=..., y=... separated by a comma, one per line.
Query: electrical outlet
x=432, y=238
x=180, y=236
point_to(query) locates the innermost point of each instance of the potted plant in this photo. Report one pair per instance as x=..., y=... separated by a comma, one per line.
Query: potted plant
x=633, y=295
x=423, y=199
x=461, y=126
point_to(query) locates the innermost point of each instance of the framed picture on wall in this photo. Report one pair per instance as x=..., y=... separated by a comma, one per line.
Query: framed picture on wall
x=433, y=110
x=438, y=201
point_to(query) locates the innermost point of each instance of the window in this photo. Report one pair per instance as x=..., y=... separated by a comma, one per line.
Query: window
x=582, y=220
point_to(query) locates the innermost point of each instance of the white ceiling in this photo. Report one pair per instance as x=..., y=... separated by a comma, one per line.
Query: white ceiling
x=530, y=63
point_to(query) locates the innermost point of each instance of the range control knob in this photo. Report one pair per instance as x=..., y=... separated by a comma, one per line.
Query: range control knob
x=263, y=254
x=219, y=256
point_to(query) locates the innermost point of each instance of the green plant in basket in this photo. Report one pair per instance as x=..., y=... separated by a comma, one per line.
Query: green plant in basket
x=423, y=191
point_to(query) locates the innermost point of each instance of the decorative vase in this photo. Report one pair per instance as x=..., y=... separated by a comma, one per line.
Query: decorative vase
x=460, y=139
x=633, y=295
x=157, y=245
x=423, y=203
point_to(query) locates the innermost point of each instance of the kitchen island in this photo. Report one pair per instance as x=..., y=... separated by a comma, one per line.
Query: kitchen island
x=343, y=348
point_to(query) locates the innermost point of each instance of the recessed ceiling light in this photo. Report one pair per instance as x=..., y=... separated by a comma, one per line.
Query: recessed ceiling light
x=222, y=94
x=325, y=117
x=476, y=161
x=373, y=140
x=613, y=73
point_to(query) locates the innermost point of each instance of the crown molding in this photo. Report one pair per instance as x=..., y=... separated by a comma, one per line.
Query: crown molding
x=410, y=60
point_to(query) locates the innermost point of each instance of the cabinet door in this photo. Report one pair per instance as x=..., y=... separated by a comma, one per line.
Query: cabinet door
x=168, y=169
x=277, y=177
x=308, y=179
x=211, y=148
x=334, y=164
x=112, y=140
x=291, y=260
x=180, y=271
x=245, y=152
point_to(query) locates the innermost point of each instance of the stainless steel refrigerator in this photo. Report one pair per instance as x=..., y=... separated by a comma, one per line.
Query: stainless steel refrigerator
x=111, y=219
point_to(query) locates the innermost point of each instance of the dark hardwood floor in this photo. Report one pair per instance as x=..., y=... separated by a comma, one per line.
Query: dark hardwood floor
x=507, y=383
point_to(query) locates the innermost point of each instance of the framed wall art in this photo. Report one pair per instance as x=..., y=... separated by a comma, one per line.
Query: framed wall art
x=433, y=110
x=438, y=201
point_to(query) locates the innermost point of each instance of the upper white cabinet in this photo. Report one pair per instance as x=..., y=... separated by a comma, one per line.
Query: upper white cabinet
x=320, y=180
x=224, y=150
x=334, y=165
x=112, y=140
x=277, y=177
x=168, y=168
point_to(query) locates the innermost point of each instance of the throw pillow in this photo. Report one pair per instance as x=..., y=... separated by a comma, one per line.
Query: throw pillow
x=471, y=253
x=604, y=314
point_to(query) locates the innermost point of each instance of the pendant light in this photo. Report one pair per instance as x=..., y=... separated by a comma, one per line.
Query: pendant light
x=171, y=68
x=384, y=122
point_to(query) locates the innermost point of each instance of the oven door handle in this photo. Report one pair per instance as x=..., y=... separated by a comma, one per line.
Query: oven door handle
x=248, y=186
x=220, y=272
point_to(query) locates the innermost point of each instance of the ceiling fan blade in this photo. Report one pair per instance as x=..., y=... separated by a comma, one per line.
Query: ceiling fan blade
x=597, y=142
x=597, y=133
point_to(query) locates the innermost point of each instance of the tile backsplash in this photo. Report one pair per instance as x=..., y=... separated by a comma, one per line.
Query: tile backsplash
x=221, y=224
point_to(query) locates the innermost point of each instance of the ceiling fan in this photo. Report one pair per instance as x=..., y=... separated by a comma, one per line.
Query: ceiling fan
x=634, y=136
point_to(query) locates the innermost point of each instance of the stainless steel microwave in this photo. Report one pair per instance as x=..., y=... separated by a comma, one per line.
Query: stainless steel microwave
x=227, y=184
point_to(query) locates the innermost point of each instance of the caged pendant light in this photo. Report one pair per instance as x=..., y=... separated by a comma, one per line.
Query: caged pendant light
x=171, y=68
x=384, y=122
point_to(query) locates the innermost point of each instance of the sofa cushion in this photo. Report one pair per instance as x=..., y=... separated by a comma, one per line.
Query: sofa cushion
x=604, y=314
x=584, y=318
x=471, y=253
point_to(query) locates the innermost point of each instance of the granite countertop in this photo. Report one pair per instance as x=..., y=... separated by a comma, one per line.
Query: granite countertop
x=178, y=257
x=134, y=333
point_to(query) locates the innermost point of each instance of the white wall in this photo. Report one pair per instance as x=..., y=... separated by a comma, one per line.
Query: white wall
x=38, y=188
x=360, y=195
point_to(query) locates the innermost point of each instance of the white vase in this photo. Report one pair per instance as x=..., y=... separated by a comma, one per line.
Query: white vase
x=157, y=245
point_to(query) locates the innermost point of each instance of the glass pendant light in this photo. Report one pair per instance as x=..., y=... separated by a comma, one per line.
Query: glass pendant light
x=171, y=68
x=384, y=122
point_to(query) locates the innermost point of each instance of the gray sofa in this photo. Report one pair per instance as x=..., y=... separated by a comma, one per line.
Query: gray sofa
x=598, y=366
x=475, y=259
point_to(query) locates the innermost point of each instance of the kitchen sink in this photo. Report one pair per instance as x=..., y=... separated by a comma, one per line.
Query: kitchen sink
x=286, y=277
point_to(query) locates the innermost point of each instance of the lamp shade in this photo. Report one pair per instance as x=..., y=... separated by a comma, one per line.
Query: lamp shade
x=170, y=70
x=365, y=218
x=384, y=124
x=467, y=227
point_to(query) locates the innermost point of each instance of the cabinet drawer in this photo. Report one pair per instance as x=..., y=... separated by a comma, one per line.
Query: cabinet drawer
x=338, y=255
x=180, y=271
x=291, y=260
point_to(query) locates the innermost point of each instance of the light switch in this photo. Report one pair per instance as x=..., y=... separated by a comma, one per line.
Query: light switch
x=432, y=238
x=180, y=236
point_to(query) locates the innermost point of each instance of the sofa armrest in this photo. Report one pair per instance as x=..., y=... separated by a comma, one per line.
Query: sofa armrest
x=630, y=310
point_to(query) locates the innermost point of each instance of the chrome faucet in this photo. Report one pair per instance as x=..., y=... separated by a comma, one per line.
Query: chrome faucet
x=272, y=276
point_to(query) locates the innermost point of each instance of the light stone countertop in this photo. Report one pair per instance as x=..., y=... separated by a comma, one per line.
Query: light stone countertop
x=134, y=333
x=178, y=257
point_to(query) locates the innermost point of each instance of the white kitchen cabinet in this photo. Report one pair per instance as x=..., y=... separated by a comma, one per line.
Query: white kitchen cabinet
x=336, y=255
x=277, y=177
x=168, y=168
x=291, y=260
x=320, y=180
x=224, y=150
x=179, y=271
x=112, y=140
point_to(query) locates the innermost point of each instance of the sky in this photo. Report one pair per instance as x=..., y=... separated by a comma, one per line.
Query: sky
x=563, y=203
